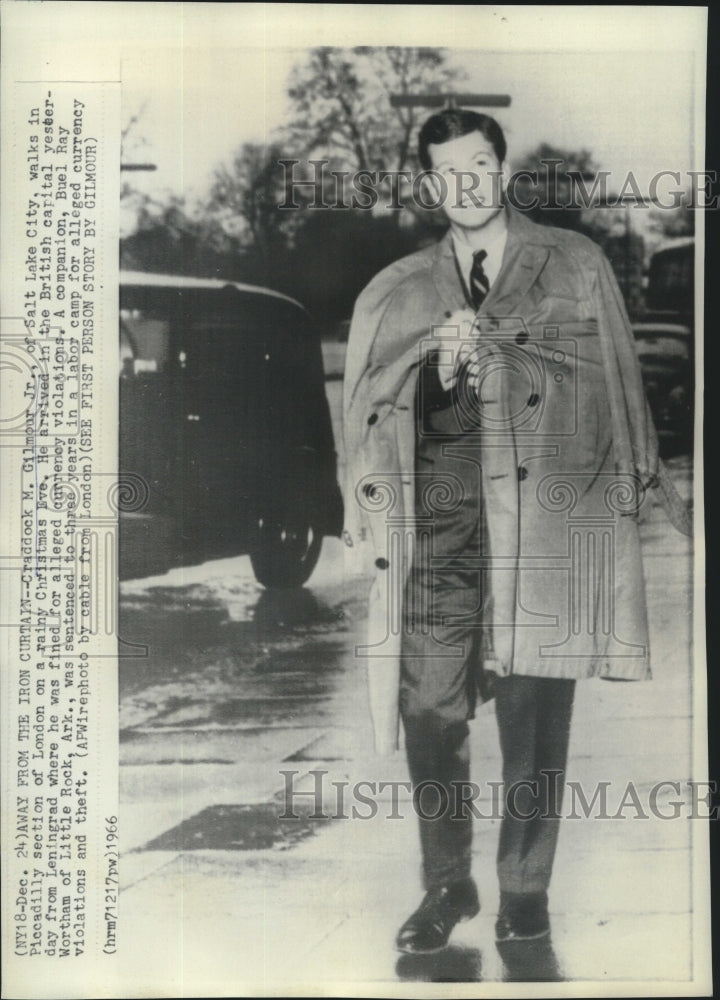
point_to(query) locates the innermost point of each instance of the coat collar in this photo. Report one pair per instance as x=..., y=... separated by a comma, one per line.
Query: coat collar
x=526, y=251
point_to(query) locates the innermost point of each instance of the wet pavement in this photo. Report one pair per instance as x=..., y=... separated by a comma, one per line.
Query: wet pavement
x=222, y=895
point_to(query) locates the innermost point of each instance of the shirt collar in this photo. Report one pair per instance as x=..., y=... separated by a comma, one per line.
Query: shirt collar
x=494, y=248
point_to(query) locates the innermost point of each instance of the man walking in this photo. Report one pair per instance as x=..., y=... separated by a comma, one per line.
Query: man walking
x=499, y=451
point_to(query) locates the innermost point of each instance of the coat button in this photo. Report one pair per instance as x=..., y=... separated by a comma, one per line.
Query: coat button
x=372, y=419
x=382, y=563
x=522, y=473
x=533, y=399
x=522, y=337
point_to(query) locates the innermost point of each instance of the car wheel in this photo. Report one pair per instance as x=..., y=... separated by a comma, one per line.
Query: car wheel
x=284, y=555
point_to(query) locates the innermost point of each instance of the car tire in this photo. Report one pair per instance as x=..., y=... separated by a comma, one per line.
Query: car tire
x=284, y=555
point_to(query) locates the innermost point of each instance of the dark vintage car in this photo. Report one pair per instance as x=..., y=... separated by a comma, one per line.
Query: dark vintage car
x=226, y=444
x=665, y=344
x=665, y=352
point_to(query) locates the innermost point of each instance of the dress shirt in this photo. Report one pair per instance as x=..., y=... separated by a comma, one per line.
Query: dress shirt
x=436, y=393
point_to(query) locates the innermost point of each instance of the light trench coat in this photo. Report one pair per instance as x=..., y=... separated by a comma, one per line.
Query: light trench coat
x=566, y=447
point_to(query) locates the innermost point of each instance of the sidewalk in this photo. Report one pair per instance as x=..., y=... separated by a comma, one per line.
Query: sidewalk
x=325, y=907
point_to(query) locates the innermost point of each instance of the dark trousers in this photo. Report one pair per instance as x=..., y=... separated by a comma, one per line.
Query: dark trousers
x=439, y=678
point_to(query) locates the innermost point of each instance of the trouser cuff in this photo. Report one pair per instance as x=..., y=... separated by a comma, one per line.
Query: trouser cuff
x=434, y=879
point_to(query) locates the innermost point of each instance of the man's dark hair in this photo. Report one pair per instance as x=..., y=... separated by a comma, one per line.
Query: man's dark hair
x=452, y=123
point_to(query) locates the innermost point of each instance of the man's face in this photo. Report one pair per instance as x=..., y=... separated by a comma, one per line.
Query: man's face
x=471, y=194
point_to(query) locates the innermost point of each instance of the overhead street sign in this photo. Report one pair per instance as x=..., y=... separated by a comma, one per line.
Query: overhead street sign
x=449, y=100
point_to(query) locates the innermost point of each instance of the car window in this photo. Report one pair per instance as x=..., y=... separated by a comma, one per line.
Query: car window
x=670, y=279
x=217, y=333
x=127, y=350
x=150, y=337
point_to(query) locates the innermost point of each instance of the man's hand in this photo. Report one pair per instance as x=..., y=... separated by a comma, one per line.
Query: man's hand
x=455, y=350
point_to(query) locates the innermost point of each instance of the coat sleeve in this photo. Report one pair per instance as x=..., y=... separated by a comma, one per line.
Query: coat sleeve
x=388, y=332
x=634, y=436
x=363, y=328
x=636, y=442
x=362, y=406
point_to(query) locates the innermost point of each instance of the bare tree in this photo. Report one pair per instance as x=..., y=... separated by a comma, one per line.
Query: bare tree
x=132, y=145
x=245, y=195
x=341, y=103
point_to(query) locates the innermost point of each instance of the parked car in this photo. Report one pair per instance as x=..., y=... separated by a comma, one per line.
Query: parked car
x=665, y=343
x=666, y=358
x=226, y=443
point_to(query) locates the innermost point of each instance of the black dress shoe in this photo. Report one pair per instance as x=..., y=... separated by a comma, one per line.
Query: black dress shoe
x=522, y=917
x=430, y=926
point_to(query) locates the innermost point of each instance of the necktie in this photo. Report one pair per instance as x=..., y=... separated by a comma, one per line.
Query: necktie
x=479, y=284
